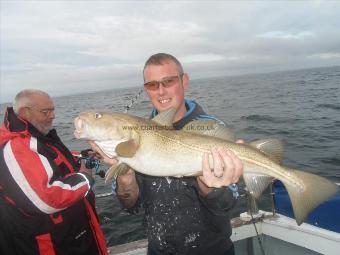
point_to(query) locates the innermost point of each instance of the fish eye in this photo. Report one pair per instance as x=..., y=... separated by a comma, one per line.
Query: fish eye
x=97, y=115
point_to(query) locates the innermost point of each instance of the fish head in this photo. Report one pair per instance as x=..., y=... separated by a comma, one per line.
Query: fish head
x=106, y=129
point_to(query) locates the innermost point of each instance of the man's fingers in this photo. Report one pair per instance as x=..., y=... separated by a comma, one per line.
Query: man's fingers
x=207, y=174
x=96, y=148
x=94, y=154
x=238, y=166
x=228, y=162
x=227, y=168
x=218, y=163
x=205, y=165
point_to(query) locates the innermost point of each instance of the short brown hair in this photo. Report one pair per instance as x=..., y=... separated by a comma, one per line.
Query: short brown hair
x=160, y=59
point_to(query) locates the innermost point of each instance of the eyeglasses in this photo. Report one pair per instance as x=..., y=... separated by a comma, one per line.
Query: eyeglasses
x=45, y=112
x=166, y=82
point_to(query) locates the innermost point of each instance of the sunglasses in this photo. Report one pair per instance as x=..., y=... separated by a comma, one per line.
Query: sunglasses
x=167, y=82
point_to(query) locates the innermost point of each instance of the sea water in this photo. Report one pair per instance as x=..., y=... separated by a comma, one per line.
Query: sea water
x=301, y=107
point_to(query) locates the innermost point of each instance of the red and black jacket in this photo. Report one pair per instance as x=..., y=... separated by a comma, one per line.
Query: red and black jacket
x=46, y=205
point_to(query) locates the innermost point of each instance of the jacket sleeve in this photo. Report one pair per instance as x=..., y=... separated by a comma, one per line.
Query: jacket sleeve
x=219, y=201
x=35, y=176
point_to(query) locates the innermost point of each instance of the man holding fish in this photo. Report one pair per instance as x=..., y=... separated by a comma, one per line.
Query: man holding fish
x=186, y=202
x=187, y=215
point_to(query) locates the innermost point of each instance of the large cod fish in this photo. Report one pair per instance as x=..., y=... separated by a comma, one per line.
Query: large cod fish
x=152, y=147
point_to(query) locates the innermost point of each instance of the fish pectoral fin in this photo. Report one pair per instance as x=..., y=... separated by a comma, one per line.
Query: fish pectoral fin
x=116, y=170
x=210, y=128
x=127, y=149
x=273, y=148
x=308, y=192
x=165, y=118
x=256, y=183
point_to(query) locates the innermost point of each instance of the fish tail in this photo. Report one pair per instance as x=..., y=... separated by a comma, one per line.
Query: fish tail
x=307, y=191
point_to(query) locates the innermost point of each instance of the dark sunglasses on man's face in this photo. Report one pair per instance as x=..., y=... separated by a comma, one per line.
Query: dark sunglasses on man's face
x=166, y=82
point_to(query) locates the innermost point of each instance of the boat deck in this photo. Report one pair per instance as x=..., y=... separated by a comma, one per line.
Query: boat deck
x=280, y=235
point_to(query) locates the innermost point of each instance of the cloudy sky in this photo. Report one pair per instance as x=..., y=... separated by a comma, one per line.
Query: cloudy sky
x=67, y=47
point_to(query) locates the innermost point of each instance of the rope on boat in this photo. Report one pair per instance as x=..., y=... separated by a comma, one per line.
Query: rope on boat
x=252, y=208
x=257, y=233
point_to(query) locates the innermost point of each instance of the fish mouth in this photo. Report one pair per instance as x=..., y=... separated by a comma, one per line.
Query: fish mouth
x=76, y=134
x=79, y=128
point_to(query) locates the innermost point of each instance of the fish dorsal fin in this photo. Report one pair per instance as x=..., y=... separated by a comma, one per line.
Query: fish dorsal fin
x=256, y=183
x=273, y=148
x=165, y=118
x=127, y=149
x=210, y=128
x=116, y=170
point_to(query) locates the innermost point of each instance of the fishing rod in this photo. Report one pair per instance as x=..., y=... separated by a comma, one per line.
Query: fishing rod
x=133, y=100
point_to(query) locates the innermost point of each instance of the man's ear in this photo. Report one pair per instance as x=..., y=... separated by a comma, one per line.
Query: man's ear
x=185, y=80
x=23, y=113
